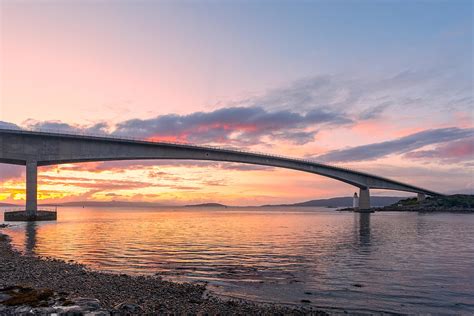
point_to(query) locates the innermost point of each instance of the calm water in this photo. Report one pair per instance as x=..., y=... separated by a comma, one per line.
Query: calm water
x=393, y=262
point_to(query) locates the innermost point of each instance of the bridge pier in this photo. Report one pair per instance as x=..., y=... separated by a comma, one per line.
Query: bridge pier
x=31, y=212
x=364, y=200
x=420, y=197
x=31, y=188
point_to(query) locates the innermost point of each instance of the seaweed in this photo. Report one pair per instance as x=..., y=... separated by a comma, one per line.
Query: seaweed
x=27, y=296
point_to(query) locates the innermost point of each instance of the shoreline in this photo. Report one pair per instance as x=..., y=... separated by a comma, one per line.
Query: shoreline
x=410, y=210
x=44, y=285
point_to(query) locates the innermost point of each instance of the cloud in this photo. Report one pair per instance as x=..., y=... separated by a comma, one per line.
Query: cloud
x=322, y=91
x=8, y=172
x=398, y=146
x=7, y=125
x=375, y=111
x=362, y=98
x=449, y=180
x=113, y=195
x=101, y=185
x=458, y=151
x=235, y=125
x=96, y=184
x=121, y=166
x=58, y=126
x=296, y=112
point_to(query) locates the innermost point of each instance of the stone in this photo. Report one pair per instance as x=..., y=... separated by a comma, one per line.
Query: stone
x=88, y=303
x=23, y=310
x=44, y=310
x=4, y=297
x=69, y=309
x=101, y=312
x=128, y=308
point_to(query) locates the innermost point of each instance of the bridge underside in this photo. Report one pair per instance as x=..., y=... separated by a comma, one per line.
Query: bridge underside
x=34, y=149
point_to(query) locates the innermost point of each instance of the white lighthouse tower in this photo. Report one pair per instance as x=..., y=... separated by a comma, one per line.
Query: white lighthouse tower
x=355, y=201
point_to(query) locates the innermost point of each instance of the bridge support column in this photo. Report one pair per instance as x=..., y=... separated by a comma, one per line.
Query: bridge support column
x=420, y=197
x=31, y=212
x=364, y=200
x=31, y=188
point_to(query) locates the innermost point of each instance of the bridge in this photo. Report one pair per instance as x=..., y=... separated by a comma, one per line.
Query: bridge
x=40, y=148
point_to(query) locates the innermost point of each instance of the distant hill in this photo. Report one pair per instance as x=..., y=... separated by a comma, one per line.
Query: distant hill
x=106, y=204
x=7, y=204
x=376, y=201
x=345, y=202
x=206, y=205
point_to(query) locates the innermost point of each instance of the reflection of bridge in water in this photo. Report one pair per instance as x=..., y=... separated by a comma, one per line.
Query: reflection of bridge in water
x=363, y=225
x=30, y=237
x=33, y=149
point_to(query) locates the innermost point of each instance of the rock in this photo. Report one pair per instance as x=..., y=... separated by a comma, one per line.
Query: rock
x=70, y=310
x=4, y=297
x=23, y=310
x=128, y=308
x=101, y=312
x=87, y=303
x=44, y=310
x=7, y=267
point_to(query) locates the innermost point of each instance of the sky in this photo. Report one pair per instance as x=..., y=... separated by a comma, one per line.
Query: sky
x=384, y=87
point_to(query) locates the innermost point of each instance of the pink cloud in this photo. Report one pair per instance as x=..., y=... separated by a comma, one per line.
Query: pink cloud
x=462, y=150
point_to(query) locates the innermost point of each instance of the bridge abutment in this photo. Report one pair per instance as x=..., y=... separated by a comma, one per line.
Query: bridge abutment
x=420, y=197
x=364, y=200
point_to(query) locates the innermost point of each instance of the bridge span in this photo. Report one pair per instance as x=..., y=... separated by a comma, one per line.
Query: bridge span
x=35, y=148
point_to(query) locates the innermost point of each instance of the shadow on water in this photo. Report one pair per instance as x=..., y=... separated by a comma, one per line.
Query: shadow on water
x=30, y=240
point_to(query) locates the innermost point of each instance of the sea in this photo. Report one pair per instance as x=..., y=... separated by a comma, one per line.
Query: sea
x=384, y=262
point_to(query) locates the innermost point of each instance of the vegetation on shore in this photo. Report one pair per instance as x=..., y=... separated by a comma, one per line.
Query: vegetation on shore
x=461, y=203
x=449, y=203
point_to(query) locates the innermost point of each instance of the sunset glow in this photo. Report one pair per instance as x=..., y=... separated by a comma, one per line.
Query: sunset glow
x=216, y=74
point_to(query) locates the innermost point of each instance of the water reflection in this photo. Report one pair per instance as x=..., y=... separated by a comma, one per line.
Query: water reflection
x=30, y=240
x=364, y=230
x=350, y=260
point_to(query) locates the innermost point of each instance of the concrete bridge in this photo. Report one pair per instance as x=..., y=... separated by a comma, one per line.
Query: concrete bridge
x=33, y=149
